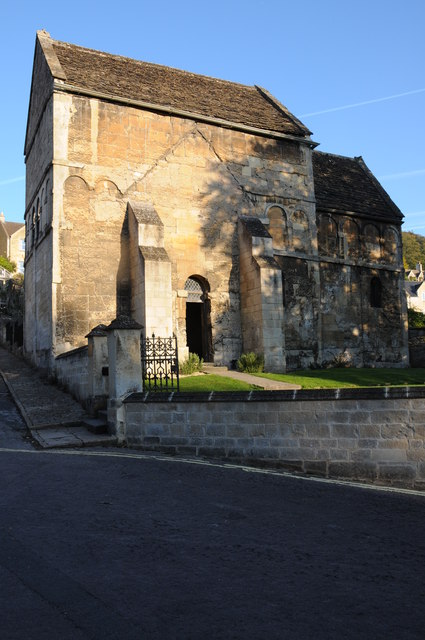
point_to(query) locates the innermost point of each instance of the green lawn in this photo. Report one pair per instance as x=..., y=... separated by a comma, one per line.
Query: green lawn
x=213, y=382
x=339, y=378
x=311, y=379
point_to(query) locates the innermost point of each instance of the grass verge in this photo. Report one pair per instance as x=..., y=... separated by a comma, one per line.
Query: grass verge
x=213, y=382
x=345, y=378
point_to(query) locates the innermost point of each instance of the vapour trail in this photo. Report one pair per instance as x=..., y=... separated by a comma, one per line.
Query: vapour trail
x=361, y=104
x=404, y=174
x=11, y=180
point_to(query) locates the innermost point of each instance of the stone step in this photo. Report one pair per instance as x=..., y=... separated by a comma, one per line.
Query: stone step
x=96, y=425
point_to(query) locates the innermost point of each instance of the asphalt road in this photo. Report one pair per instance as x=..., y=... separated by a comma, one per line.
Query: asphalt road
x=113, y=544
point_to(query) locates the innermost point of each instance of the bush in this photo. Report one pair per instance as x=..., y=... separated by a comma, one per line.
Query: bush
x=250, y=363
x=342, y=360
x=416, y=319
x=7, y=264
x=192, y=364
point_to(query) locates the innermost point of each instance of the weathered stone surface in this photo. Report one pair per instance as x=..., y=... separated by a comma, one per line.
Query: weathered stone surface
x=126, y=204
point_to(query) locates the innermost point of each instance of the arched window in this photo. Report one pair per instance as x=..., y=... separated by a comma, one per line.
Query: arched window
x=194, y=290
x=375, y=293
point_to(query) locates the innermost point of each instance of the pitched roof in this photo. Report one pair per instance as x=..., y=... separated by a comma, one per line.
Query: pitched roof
x=128, y=79
x=12, y=227
x=412, y=288
x=346, y=185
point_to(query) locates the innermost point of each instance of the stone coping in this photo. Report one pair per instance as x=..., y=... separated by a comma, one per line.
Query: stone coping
x=367, y=393
x=72, y=352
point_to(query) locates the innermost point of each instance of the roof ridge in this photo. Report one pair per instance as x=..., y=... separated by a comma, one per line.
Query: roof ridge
x=335, y=155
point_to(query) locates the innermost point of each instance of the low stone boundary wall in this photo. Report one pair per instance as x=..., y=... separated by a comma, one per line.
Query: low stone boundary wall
x=375, y=435
x=71, y=369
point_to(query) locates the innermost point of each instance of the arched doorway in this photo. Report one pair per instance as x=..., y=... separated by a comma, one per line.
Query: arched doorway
x=198, y=318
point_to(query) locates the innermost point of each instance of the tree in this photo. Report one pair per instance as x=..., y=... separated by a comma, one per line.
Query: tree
x=416, y=319
x=413, y=249
x=7, y=264
x=12, y=307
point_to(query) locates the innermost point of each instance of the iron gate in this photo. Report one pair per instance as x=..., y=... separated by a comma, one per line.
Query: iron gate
x=160, y=363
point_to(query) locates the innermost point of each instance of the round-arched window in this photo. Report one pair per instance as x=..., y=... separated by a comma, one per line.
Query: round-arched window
x=194, y=290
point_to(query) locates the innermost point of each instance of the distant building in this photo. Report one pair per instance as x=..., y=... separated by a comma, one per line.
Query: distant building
x=415, y=294
x=12, y=242
x=415, y=275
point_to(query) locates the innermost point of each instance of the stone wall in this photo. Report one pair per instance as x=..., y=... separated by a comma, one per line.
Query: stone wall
x=374, y=435
x=71, y=370
x=199, y=179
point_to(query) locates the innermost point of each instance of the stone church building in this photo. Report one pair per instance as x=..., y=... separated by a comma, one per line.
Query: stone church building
x=199, y=207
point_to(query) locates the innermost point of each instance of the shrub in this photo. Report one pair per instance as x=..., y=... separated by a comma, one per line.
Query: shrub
x=192, y=364
x=250, y=363
x=342, y=360
x=416, y=319
x=7, y=264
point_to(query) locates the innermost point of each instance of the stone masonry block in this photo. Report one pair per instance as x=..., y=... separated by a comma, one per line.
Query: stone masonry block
x=338, y=454
x=369, y=431
x=215, y=430
x=236, y=430
x=389, y=455
x=367, y=443
x=395, y=443
x=343, y=431
x=157, y=429
x=396, y=431
x=284, y=442
x=318, y=430
x=316, y=467
x=348, y=443
x=397, y=472
x=416, y=455
x=383, y=417
x=360, y=417
x=359, y=455
x=357, y=470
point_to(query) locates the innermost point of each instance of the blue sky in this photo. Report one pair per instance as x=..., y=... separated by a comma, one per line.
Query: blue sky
x=353, y=72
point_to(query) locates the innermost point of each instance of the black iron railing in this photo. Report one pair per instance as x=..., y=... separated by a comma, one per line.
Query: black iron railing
x=160, y=363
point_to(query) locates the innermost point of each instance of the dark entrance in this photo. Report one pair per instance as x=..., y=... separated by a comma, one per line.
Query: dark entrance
x=194, y=328
x=198, y=321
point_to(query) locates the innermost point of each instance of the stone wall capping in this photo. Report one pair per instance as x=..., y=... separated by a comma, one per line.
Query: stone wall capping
x=123, y=322
x=72, y=352
x=309, y=395
x=98, y=331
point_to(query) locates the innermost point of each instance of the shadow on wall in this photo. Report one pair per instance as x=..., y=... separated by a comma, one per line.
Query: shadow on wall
x=244, y=184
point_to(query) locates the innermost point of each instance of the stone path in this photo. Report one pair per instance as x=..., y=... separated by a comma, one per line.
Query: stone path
x=53, y=417
x=264, y=383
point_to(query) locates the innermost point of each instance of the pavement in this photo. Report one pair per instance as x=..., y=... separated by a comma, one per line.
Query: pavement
x=106, y=543
x=53, y=418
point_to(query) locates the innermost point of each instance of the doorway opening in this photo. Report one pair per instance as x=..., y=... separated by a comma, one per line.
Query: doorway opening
x=198, y=318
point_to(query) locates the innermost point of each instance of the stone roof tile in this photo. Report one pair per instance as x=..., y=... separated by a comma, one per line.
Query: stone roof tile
x=345, y=184
x=112, y=75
